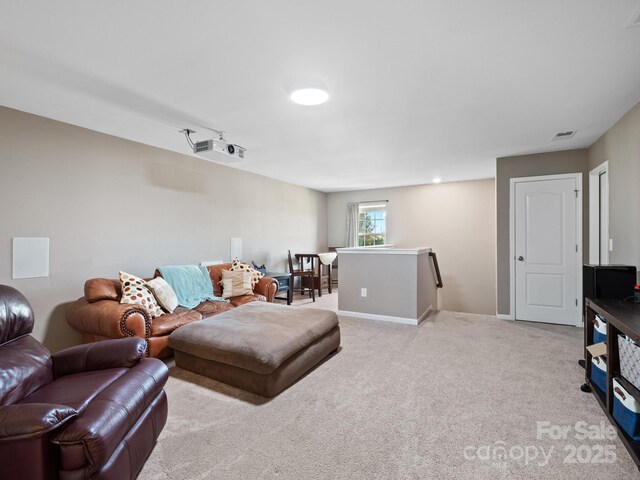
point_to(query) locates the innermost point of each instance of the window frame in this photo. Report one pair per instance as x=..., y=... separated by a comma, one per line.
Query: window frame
x=372, y=208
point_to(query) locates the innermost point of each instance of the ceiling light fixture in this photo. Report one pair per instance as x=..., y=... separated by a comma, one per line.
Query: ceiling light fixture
x=437, y=180
x=309, y=96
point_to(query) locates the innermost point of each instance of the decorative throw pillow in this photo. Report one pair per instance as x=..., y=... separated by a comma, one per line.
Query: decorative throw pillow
x=236, y=283
x=164, y=294
x=135, y=292
x=243, y=267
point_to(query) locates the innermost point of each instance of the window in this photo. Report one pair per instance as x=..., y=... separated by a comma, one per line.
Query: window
x=372, y=224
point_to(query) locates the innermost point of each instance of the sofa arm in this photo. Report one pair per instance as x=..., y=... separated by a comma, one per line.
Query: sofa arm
x=119, y=353
x=110, y=319
x=29, y=420
x=267, y=287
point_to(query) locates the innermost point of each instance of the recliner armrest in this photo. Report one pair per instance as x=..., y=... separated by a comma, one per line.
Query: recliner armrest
x=117, y=353
x=88, y=442
x=20, y=421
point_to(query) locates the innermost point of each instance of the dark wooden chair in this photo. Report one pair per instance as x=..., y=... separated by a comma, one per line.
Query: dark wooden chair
x=302, y=274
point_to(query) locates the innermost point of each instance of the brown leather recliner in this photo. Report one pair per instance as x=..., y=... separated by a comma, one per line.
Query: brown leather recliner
x=99, y=315
x=91, y=411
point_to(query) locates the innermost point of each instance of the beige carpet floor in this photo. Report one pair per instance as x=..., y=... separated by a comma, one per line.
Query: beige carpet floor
x=400, y=402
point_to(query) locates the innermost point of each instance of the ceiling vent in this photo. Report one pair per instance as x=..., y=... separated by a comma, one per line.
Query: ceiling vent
x=564, y=135
x=635, y=20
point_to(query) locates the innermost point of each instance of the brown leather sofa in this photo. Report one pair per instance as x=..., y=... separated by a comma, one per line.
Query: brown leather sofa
x=99, y=315
x=91, y=411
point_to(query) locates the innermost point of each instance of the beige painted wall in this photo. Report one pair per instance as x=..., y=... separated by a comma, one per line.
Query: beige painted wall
x=456, y=219
x=108, y=204
x=568, y=161
x=620, y=145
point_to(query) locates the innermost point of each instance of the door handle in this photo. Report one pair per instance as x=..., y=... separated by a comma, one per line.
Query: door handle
x=521, y=258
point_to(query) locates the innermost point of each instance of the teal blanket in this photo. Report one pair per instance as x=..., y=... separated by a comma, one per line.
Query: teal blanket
x=191, y=283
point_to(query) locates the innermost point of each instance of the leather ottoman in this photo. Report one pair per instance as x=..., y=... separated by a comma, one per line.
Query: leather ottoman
x=260, y=347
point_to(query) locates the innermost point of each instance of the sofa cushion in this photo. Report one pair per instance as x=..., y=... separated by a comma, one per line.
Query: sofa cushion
x=215, y=274
x=168, y=322
x=242, y=299
x=208, y=309
x=134, y=291
x=257, y=336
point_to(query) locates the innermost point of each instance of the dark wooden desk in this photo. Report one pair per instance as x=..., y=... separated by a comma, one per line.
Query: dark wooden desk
x=284, y=284
x=320, y=281
x=621, y=317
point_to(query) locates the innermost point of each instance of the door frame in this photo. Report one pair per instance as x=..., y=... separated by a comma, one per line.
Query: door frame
x=594, y=214
x=512, y=238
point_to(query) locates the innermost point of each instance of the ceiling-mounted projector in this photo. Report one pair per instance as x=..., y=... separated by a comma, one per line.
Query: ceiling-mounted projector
x=212, y=148
x=206, y=147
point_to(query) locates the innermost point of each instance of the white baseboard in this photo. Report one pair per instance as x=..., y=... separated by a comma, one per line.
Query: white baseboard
x=501, y=316
x=386, y=318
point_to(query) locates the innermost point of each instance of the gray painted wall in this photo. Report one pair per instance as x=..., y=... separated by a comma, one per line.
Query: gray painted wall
x=397, y=285
x=456, y=219
x=621, y=147
x=568, y=161
x=108, y=204
x=427, y=290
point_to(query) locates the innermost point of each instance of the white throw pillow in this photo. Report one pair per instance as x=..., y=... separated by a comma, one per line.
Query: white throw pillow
x=236, y=283
x=164, y=294
x=243, y=267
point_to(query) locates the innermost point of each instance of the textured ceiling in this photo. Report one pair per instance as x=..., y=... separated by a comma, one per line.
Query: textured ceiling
x=418, y=88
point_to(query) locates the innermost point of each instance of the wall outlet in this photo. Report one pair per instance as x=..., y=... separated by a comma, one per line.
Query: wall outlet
x=611, y=244
x=363, y=292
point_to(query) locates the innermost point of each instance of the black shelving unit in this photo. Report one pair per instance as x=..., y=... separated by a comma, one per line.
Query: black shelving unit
x=622, y=318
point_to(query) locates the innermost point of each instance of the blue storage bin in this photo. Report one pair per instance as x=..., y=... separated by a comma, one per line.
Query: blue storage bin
x=629, y=360
x=626, y=411
x=599, y=329
x=599, y=373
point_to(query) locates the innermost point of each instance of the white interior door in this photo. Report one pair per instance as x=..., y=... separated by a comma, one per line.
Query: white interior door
x=546, y=251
